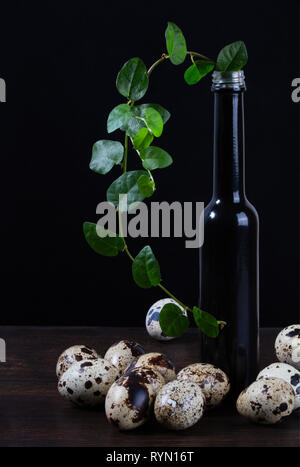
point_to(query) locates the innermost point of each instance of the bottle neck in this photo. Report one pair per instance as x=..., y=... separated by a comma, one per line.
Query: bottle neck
x=229, y=145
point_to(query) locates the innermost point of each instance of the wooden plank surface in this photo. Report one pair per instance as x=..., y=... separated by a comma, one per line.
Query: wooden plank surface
x=33, y=414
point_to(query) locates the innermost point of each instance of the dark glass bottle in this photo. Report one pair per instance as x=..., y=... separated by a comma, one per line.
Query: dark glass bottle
x=229, y=264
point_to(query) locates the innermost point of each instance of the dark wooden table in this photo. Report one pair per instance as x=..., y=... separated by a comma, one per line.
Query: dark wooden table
x=33, y=414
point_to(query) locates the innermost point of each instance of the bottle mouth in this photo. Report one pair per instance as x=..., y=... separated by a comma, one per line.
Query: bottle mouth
x=228, y=80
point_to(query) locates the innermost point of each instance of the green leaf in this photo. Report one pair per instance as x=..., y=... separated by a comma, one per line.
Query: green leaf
x=165, y=115
x=134, y=125
x=232, y=57
x=118, y=117
x=206, y=322
x=105, y=155
x=176, y=44
x=126, y=184
x=172, y=321
x=132, y=80
x=142, y=139
x=155, y=158
x=104, y=245
x=154, y=121
x=197, y=71
x=146, y=186
x=145, y=269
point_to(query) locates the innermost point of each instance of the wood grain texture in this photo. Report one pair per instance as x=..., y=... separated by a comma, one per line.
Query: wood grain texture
x=33, y=414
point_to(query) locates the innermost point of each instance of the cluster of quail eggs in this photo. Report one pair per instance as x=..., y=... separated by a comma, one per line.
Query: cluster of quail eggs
x=276, y=392
x=132, y=384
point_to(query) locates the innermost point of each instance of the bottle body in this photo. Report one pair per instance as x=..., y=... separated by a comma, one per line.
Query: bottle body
x=229, y=277
x=229, y=257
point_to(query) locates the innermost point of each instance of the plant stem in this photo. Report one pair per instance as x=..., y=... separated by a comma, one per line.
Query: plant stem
x=196, y=54
x=174, y=298
x=128, y=253
x=162, y=59
x=121, y=233
x=165, y=56
x=125, y=154
x=151, y=176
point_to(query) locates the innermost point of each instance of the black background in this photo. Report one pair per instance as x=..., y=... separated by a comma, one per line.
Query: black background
x=60, y=61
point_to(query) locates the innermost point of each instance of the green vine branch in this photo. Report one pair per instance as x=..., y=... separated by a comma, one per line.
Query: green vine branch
x=143, y=124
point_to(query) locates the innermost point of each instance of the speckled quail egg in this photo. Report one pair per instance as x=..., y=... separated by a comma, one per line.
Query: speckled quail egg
x=287, y=345
x=158, y=362
x=152, y=319
x=213, y=381
x=179, y=405
x=287, y=372
x=73, y=354
x=154, y=377
x=266, y=401
x=122, y=353
x=129, y=400
x=86, y=383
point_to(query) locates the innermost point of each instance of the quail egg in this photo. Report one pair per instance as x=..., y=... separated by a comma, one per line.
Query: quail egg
x=152, y=319
x=266, y=401
x=129, y=400
x=179, y=405
x=73, y=354
x=286, y=372
x=122, y=353
x=86, y=383
x=213, y=381
x=287, y=345
x=158, y=362
x=154, y=377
